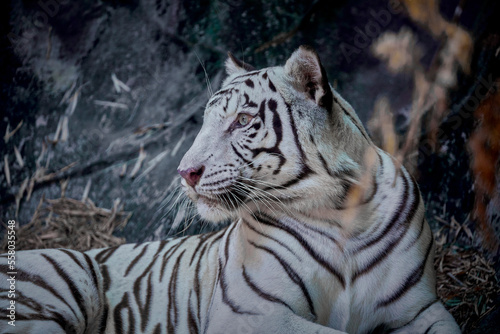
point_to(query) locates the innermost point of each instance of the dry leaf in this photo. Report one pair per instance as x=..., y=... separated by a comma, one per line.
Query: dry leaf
x=6, y=168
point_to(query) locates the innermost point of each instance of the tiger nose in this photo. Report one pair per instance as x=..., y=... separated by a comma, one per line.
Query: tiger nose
x=192, y=175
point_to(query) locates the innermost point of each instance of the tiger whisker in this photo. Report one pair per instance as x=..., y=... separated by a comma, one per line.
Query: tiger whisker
x=239, y=189
x=276, y=199
x=243, y=187
x=186, y=226
x=265, y=200
x=268, y=184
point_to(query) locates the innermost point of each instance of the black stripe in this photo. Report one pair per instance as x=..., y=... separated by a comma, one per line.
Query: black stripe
x=215, y=183
x=410, y=281
x=147, y=305
x=420, y=230
x=223, y=91
x=168, y=254
x=52, y=316
x=325, y=165
x=203, y=238
x=90, y=264
x=268, y=236
x=419, y=312
x=197, y=281
x=326, y=101
x=264, y=219
x=75, y=259
x=248, y=162
x=392, y=222
x=105, y=254
x=163, y=243
x=361, y=130
x=295, y=132
x=71, y=285
x=247, y=102
x=192, y=321
x=322, y=233
x=430, y=327
x=261, y=292
x=117, y=315
x=380, y=329
x=213, y=101
x=305, y=170
x=224, y=289
x=136, y=259
x=271, y=86
x=262, y=111
x=218, y=237
x=105, y=277
x=403, y=226
x=294, y=276
x=278, y=130
x=38, y=281
x=344, y=183
x=172, y=294
x=144, y=310
x=304, y=173
x=226, y=246
x=26, y=301
x=104, y=304
x=248, y=74
x=104, y=317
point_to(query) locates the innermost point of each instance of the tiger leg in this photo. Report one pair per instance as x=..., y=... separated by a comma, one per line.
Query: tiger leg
x=434, y=319
x=51, y=291
x=275, y=322
x=292, y=323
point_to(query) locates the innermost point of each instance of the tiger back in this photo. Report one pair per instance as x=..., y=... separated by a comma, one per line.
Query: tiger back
x=328, y=235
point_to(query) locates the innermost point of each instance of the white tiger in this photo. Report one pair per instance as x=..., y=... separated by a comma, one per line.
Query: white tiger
x=280, y=153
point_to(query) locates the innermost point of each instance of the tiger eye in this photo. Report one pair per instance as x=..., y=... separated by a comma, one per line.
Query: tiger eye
x=243, y=119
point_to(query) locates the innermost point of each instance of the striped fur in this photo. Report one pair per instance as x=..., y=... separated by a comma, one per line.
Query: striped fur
x=327, y=236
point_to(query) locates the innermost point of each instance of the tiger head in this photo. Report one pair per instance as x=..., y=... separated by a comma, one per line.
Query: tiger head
x=276, y=137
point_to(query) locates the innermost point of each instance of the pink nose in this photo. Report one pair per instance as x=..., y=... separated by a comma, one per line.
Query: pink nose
x=192, y=175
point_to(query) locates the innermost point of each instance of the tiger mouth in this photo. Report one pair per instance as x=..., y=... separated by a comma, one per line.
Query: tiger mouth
x=211, y=202
x=231, y=199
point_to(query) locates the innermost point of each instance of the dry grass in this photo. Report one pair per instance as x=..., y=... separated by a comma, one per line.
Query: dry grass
x=73, y=224
x=466, y=281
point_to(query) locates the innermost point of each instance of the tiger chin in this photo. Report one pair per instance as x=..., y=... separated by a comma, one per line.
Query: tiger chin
x=327, y=234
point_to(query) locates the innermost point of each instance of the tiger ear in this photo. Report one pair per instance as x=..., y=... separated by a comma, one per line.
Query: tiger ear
x=234, y=65
x=307, y=75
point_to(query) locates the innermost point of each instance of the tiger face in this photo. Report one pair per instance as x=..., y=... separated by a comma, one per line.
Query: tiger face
x=251, y=151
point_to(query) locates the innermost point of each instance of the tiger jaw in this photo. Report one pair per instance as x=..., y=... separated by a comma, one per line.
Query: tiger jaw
x=211, y=209
x=216, y=207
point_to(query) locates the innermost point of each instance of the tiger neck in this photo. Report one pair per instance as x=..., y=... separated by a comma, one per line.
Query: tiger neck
x=343, y=213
